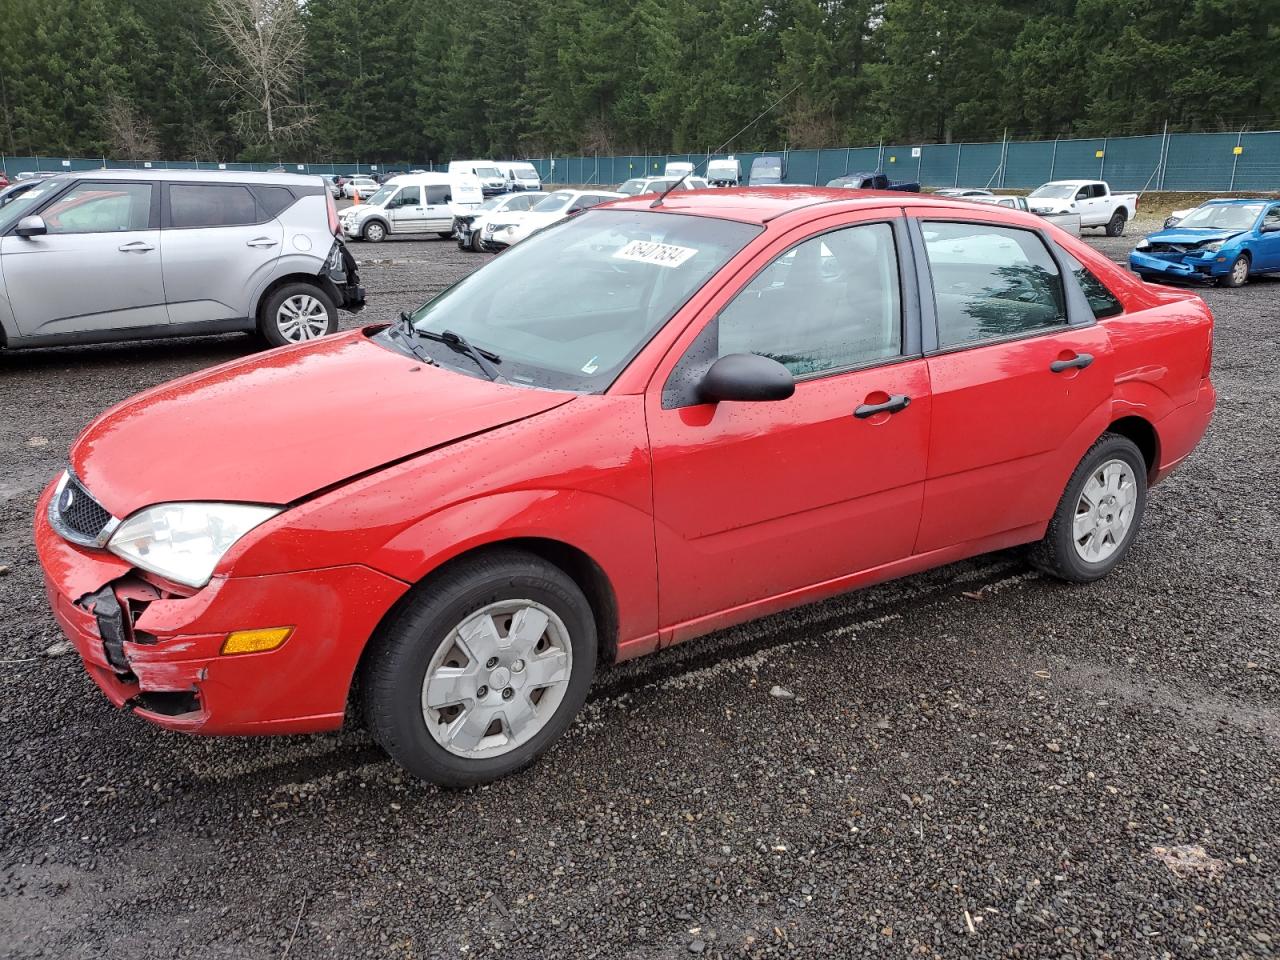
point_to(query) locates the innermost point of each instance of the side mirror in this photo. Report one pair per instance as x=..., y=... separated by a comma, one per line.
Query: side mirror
x=746, y=377
x=31, y=227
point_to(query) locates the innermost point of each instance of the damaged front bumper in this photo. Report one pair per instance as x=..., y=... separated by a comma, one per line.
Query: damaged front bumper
x=1182, y=267
x=159, y=653
x=343, y=279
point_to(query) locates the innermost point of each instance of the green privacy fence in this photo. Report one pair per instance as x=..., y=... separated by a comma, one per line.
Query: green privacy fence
x=1176, y=161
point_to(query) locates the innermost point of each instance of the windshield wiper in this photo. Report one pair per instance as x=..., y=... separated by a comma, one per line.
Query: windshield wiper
x=478, y=354
x=404, y=331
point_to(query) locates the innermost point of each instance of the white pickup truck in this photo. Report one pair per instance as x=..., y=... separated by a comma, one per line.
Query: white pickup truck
x=1091, y=200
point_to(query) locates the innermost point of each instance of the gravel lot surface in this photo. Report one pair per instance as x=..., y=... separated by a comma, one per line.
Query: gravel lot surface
x=975, y=761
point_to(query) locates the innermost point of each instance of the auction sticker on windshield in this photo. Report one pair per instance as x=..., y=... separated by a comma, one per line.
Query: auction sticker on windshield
x=662, y=254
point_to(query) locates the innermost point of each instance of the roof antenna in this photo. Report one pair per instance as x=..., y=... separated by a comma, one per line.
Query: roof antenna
x=763, y=113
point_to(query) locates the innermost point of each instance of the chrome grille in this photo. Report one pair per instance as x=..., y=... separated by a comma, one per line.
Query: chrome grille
x=77, y=516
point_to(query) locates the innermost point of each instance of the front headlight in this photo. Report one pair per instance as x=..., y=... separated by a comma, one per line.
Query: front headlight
x=1212, y=247
x=183, y=542
x=1143, y=244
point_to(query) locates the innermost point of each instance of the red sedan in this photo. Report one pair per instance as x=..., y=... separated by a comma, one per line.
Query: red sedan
x=651, y=421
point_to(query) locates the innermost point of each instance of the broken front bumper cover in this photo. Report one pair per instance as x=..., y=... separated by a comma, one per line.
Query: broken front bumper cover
x=1184, y=268
x=160, y=654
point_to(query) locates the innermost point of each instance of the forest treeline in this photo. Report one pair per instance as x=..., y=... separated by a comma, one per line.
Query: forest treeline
x=433, y=79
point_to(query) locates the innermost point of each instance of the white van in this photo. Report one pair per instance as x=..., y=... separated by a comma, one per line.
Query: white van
x=724, y=172
x=413, y=203
x=492, y=180
x=678, y=168
x=520, y=175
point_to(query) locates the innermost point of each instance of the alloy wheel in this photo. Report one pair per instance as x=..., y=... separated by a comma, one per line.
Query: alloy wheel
x=1239, y=272
x=497, y=679
x=1104, y=512
x=302, y=317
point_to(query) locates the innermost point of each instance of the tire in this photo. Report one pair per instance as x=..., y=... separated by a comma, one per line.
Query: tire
x=1115, y=226
x=446, y=235
x=475, y=243
x=374, y=231
x=1238, y=275
x=462, y=246
x=1061, y=553
x=297, y=313
x=473, y=740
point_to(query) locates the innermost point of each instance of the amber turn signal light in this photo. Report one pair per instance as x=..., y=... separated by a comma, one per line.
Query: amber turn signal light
x=255, y=641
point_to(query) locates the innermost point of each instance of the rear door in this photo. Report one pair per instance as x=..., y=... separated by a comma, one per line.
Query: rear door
x=437, y=216
x=1021, y=373
x=408, y=213
x=98, y=268
x=217, y=242
x=756, y=500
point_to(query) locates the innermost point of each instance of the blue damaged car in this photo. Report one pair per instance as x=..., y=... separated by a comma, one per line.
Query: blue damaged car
x=1223, y=240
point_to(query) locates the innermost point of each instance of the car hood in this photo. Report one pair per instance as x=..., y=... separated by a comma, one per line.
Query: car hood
x=1191, y=236
x=280, y=425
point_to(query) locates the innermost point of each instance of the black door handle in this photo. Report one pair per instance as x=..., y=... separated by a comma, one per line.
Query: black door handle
x=1080, y=361
x=898, y=401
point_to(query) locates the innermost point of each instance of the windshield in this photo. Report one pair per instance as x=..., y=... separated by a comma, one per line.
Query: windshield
x=632, y=187
x=493, y=203
x=380, y=198
x=1221, y=216
x=553, y=202
x=487, y=172
x=18, y=204
x=569, y=307
x=526, y=172
x=1055, y=191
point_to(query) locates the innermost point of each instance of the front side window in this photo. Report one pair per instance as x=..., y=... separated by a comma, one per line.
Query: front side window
x=571, y=305
x=1272, y=219
x=991, y=282
x=829, y=303
x=410, y=197
x=211, y=205
x=100, y=208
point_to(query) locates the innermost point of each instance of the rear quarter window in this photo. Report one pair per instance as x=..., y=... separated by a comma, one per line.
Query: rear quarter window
x=1102, y=301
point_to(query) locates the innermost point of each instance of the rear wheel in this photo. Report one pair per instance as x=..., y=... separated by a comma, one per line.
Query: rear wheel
x=296, y=313
x=1098, y=515
x=481, y=670
x=1115, y=226
x=1238, y=275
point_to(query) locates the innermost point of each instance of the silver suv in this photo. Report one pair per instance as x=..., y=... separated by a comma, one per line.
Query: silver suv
x=105, y=255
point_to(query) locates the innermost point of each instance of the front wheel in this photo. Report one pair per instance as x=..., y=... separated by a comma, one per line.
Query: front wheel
x=1238, y=275
x=295, y=313
x=481, y=670
x=374, y=232
x=445, y=235
x=1115, y=226
x=1099, y=514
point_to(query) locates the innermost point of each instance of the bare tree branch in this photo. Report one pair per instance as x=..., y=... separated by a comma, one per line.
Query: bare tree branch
x=266, y=39
x=132, y=136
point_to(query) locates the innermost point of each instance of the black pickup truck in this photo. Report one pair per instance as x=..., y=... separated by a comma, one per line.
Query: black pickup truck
x=873, y=181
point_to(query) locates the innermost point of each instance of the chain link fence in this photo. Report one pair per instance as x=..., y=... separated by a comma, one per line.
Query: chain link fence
x=1175, y=161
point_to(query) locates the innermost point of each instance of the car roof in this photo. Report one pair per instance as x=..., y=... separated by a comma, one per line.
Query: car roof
x=1227, y=201
x=197, y=176
x=759, y=205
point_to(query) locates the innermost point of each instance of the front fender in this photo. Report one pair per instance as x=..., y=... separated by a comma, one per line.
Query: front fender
x=616, y=536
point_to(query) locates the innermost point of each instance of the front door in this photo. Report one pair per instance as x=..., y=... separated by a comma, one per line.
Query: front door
x=1022, y=382
x=1268, y=243
x=218, y=244
x=757, y=500
x=98, y=267
x=408, y=215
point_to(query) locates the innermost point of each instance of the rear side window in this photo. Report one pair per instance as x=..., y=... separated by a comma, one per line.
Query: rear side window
x=439, y=194
x=272, y=201
x=100, y=208
x=991, y=282
x=829, y=303
x=1102, y=301
x=211, y=205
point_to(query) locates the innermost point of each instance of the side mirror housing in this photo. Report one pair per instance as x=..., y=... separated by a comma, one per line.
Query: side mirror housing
x=746, y=377
x=32, y=226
